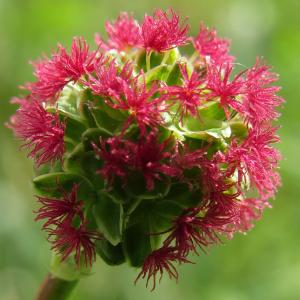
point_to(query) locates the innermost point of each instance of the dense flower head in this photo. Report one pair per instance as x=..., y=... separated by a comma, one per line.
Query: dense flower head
x=145, y=155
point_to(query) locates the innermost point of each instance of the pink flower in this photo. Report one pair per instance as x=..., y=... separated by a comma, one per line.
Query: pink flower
x=124, y=33
x=53, y=74
x=150, y=158
x=209, y=45
x=116, y=155
x=220, y=86
x=108, y=80
x=40, y=131
x=256, y=158
x=159, y=261
x=56, y=210
x=142, y=104
x=260, y=99
x=188, y=94
x=68, y=239
x=163, y=31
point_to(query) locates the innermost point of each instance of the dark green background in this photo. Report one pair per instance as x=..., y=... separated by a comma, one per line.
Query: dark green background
x=265, y=264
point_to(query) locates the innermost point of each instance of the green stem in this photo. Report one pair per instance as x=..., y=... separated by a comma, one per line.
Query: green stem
x=53, y=288
x=148, y=60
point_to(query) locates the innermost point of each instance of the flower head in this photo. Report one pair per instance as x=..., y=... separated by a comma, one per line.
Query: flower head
x=150, y=157
x=256, y=158
x=163, y=31
x=124, y=32
x=260, y=100
x=109, y=79
x=56, y=211
x=142, y=104
x=210, y=46
x=183, y=144
x=220, y=86
x=68, y=239
x=188, y=94
x=40, y=131
x=53, y=74
x=158, y=262
x=117, y=157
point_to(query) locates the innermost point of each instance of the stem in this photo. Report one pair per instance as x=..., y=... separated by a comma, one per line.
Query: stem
x=148, y=60
x=53, y=288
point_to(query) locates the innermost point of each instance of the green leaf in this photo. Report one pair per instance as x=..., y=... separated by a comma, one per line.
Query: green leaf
x=239, y=129
x=137, y=244
x=205, y=129
x=159, y=73
x=105, y=122
x=181, y=194
x=92, y=135
x=112, y=255
x=174, y=77
x=107, y=213
x=52, y=185
x=68, y=269
x=212, y=110
x=136, y=187
x=74, y=129
x=141, y=235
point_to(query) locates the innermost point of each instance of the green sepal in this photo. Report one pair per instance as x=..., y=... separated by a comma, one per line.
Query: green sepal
x=68, y=269
x=112, y=255
x=108, y=216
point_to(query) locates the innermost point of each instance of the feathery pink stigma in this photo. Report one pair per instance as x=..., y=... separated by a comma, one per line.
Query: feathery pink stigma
x=163, y=31
x=57, y=210
x=159, y=261
x=68, y=239
x=53, y=74
x=257, y=158
x=188, y=94
x=40, y=131
x=209, y=45
x=140, y=104
x=117, y=156
x=260, y=101
x=149, y=158
x=124, y=32
x=108, y=79
x=220, y=86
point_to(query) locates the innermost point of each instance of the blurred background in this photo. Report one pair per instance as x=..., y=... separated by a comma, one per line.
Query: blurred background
x=265, y=264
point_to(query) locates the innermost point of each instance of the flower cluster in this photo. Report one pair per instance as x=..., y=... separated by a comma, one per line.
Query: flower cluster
x=144, y=155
